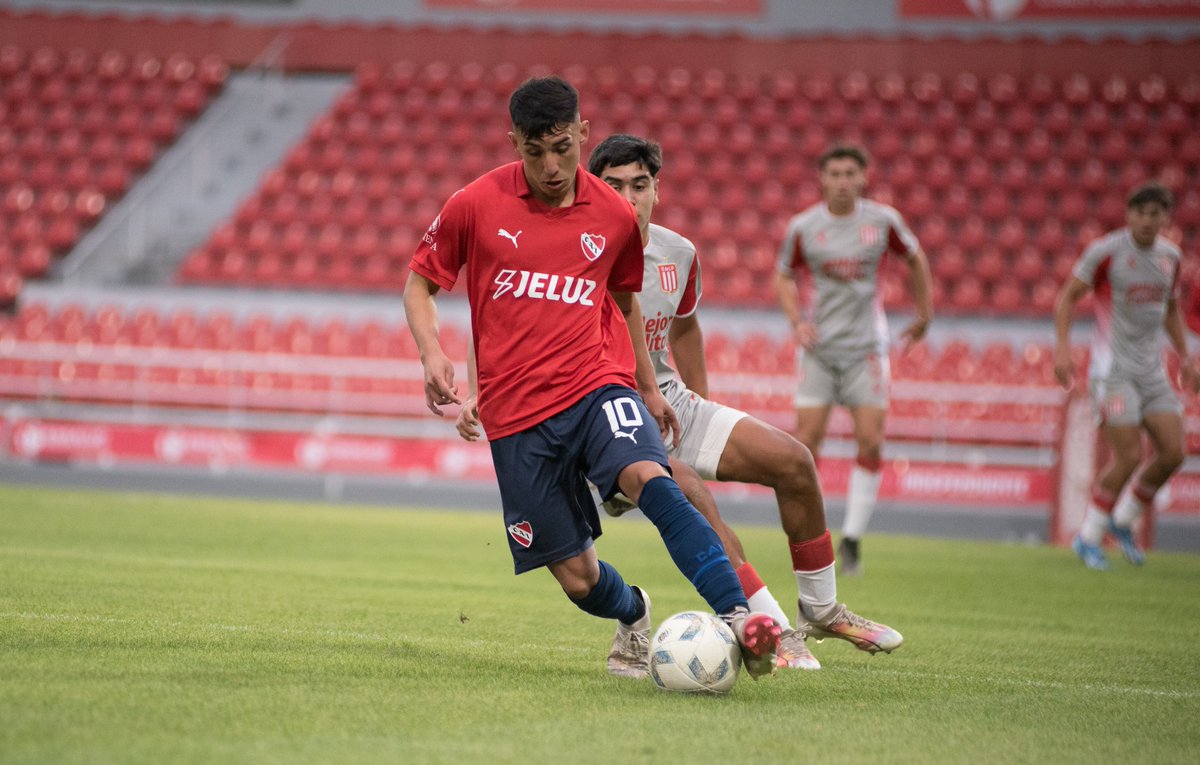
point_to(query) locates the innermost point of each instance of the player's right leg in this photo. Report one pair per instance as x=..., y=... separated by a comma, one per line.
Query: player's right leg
x=792, y=651
x=624, y=451
x=1119, y=407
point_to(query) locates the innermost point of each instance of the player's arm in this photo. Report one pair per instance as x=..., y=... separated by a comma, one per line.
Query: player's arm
x=687, y=346
x=421, y=311
x=789, y=300
x=1173, y=323
x=644, y=368
x=920, y=285
x=1064, y=309
x=468, y=416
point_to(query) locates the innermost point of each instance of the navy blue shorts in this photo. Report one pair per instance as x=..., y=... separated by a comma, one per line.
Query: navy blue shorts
x=543, y=472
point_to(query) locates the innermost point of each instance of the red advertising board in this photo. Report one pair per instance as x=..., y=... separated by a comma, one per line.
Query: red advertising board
x=1008, y=10
x=665, y=7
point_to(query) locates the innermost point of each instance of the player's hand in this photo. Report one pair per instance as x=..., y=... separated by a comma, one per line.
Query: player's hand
x=914, y=333
x=664, y=415
x=468, y=420
x=1189, y=373
x=1064, y=368
x=439, y=384
x=806, y=335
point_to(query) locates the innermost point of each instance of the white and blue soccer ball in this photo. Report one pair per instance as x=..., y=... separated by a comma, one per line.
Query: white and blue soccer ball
x=694, y=652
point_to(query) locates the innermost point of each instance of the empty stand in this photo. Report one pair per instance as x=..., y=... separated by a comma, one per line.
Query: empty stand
x=76, y=129
x=1010, y=171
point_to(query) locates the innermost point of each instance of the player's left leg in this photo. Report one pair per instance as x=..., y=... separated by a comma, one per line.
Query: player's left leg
x=759, y=453
x=862, y=495
x=1166, y=433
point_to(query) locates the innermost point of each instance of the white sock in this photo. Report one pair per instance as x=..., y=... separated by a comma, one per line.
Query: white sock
x=1095, y=521
x=818, y=593
x=765, y=602
x=1128, y=510
x=860, y=500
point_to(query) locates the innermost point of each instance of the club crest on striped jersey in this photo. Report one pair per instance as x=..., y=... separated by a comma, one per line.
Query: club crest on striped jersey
x=868, y=234
x=521, y=532
x=668, y=277
x=592, y=245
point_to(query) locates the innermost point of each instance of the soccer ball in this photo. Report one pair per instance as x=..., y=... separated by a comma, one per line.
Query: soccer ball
x=694, y=652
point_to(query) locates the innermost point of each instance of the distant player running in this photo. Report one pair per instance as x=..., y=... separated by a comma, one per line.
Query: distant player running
x=842, y=348
x=723, y=443
x=1134, y=274
x=552, y=259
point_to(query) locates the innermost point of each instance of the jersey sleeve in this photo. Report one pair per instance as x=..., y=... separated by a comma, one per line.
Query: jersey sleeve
x=1086, y=267
x=791, y=252
x=629, y=266
x=443, y=248
x=901, y=239
x=692, y=290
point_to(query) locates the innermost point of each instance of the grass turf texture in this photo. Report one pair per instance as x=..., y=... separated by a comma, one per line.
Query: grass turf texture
x=143, y=628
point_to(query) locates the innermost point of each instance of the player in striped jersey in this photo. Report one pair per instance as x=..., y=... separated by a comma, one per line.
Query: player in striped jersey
x=1134, y=275
x=842, y=348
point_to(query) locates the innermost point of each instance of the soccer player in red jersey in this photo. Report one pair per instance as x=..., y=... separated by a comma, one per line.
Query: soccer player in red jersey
x=552, y=260
x=1134, y=274
x=842, y=348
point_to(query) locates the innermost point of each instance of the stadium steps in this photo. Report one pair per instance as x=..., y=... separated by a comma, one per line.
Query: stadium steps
x=200, y=181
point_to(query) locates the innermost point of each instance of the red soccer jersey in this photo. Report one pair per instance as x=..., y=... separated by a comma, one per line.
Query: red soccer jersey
x=545, y=329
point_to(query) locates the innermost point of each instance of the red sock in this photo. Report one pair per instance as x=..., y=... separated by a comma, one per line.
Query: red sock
x=751, y=581
x=1145, y=494
x=812, y=554
x=1103, y=499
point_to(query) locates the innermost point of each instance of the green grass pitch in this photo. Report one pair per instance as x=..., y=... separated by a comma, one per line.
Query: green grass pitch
x=145, y=628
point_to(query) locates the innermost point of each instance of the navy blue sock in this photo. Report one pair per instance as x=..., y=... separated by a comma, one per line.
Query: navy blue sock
x=694, y=546
x=611, y=598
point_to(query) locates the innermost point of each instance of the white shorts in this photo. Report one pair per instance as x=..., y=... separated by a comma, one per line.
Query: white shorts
x=704, y=428
x=856, y=382
x=1120, y=399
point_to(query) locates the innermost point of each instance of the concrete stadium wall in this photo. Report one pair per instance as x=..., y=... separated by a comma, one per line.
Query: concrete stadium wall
x=1136, y=19
x=325, y=46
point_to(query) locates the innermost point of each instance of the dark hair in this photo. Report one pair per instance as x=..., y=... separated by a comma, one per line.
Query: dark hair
x=845, y=151
x=1149, y=193
x=621, y=149
x=540, y=105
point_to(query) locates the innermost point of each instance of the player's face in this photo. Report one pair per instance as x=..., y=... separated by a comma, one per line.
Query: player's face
x=551, y=161
x=639, y=188
x=842, y=182
x=1145, y=221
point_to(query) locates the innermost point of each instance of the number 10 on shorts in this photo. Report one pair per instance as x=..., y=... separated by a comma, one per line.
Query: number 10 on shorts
x=623, y=413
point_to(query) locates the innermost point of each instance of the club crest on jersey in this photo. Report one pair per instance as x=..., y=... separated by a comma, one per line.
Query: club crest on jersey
x=868, y=234
x=1164, y=265
x=668, y=277
x=592, y=244
x=522, y=533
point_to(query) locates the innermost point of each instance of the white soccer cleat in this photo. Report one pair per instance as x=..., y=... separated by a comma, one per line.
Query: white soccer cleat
x=793, y=653
x=865, y=634
x=630, y=654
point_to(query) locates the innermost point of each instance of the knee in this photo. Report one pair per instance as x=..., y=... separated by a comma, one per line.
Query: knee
x=577, y=585
x=797, y=467
x=1127, y=458
x=635, y=477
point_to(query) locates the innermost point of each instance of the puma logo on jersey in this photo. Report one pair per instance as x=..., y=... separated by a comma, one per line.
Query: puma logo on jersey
x=622, y=434
x=539, y=286
x=513, y=237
